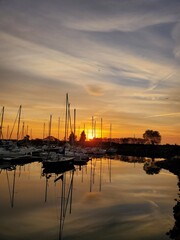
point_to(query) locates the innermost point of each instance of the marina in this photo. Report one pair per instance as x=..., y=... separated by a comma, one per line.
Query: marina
x=89, y=120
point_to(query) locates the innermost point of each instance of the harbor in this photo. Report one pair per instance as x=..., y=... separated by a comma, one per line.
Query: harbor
x=89, y=120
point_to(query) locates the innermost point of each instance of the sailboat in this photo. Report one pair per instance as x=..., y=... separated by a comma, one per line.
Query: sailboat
x=59, y=160
x=10, y=151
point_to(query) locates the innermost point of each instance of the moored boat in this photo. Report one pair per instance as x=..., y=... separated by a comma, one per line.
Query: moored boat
x=58, y=161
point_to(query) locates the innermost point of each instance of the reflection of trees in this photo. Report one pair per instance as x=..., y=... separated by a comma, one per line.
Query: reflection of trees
x=173, y=166
x=174, y=233
x=132, y=159
x=151, y=168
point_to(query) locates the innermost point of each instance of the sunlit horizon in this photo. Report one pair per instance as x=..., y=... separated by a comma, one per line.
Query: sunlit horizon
x=117, y=60
x=101, y=129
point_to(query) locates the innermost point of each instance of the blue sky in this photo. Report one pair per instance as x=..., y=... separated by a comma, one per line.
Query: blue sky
x=118, y=60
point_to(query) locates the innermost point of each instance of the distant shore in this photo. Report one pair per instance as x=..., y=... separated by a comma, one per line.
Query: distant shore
x=143, y=150
x=153, y=151
x=139, y=150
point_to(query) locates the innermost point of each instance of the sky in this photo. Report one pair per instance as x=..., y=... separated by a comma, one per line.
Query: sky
x=117, y=60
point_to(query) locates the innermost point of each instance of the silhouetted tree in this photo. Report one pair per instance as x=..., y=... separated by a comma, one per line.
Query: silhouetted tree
x=72, y=138
x=152, y=137
x=25, y=141
x=82, y=138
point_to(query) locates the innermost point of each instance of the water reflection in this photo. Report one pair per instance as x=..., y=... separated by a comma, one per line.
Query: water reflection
x=60, y=174
x=108, y=199
x=96, y=170
x=47, y=172
x=152, y=167
x=11, y=187
x=11, y=172
x=174, y=167
x=174, y=233
x=132, y=159
x=66, y=197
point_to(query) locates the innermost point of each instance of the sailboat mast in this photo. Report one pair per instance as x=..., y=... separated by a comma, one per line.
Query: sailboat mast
x=27, y=130
x=66, y=119
x=101, y=129
x=110, y=134
x=1, y=127
x=22, y=135
x=50, y=123
x=58, y=127
x=74, y=122
x=95, y=128
x=7, y=134
x=31, y=133
x=69, y=120
x=92, y=126
x=19, y=119
x=44, y=126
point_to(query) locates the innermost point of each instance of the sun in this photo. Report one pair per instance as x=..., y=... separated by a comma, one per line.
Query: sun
x=90, y=136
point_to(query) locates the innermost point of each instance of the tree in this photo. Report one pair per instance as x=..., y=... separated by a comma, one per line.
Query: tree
x=72, y=138
x=26, y=138
x=25, y=141
x=152, y=137
x=82, y=138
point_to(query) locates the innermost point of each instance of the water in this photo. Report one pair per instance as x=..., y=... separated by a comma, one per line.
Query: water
x=110, y=199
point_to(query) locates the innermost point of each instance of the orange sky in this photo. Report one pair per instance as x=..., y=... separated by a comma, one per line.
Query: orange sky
x=118, y=60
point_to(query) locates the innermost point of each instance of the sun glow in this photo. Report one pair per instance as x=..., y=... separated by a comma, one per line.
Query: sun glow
x=90, y=136
x=93, y=134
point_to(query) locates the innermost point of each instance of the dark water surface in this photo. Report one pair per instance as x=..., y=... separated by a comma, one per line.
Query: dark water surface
x=110, y=199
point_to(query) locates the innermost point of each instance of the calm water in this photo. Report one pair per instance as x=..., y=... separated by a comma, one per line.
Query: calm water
x=106, y=199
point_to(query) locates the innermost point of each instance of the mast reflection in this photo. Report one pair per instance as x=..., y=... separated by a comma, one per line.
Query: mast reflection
x=96, y=169
x=66, y=194
x=9, y=168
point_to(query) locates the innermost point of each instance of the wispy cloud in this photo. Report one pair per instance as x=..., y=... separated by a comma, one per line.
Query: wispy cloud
x=165, y=115
x=120, y=56
x=121, y=15
x=94, y=90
